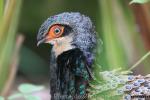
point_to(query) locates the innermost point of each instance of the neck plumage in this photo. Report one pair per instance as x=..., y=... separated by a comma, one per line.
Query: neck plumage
x=69, y=76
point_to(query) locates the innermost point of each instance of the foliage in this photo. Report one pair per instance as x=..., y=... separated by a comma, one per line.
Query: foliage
x=25, y=91
x=1, y=98
x=142, y=59
x=1, y=8
x=8, y=28
x=115, y=24
x=139, y=1
x=113, y=49
x=119, y=39
x=29, y=88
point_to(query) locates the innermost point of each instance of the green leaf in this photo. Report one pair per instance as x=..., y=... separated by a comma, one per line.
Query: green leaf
x=31, y=97
x=8, y=30
x=2, y=98
x=29, y=88
x=1, y=8
x=114, y=55
x=14, y=96
x=139, y=1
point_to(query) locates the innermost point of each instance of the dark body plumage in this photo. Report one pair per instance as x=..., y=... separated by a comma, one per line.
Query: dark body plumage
x=72, y=77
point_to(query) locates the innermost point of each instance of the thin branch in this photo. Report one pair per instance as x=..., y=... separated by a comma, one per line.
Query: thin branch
x=13, y=66
x=139, y=61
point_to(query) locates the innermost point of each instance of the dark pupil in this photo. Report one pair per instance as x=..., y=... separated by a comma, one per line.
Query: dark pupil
x=57, y=30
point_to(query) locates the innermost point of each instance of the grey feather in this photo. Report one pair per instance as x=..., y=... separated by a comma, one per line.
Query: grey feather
x=83, y=29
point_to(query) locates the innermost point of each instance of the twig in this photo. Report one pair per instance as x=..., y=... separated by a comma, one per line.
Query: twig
x=139, y=61
x=13, y=66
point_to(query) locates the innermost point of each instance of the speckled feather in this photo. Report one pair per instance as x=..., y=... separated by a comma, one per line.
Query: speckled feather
x=128, y=87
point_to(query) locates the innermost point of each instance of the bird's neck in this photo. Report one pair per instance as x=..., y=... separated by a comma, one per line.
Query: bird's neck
x=69, y=69
x=61, y=45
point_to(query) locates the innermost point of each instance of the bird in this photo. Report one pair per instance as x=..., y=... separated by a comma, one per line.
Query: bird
x=73, y=39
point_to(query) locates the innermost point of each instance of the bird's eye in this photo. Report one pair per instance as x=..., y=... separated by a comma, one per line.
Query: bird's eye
x=56, y=31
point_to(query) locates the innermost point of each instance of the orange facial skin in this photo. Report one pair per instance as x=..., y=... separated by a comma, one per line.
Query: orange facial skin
x=55, y=32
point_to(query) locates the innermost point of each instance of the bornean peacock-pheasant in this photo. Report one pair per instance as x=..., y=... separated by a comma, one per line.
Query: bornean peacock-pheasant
x=73, y=38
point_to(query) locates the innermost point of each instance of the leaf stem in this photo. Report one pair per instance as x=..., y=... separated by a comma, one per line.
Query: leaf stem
x=139, y=61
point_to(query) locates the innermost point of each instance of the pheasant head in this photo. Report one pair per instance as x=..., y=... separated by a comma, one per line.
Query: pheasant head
x=66, y=31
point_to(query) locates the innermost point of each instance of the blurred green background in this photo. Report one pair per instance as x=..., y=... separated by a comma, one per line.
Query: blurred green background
x=124, y=30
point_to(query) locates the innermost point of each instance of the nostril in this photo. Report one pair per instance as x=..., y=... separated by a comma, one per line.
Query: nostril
x=39, y=37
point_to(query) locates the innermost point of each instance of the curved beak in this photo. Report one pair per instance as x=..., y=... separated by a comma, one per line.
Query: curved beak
x=41, y=41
